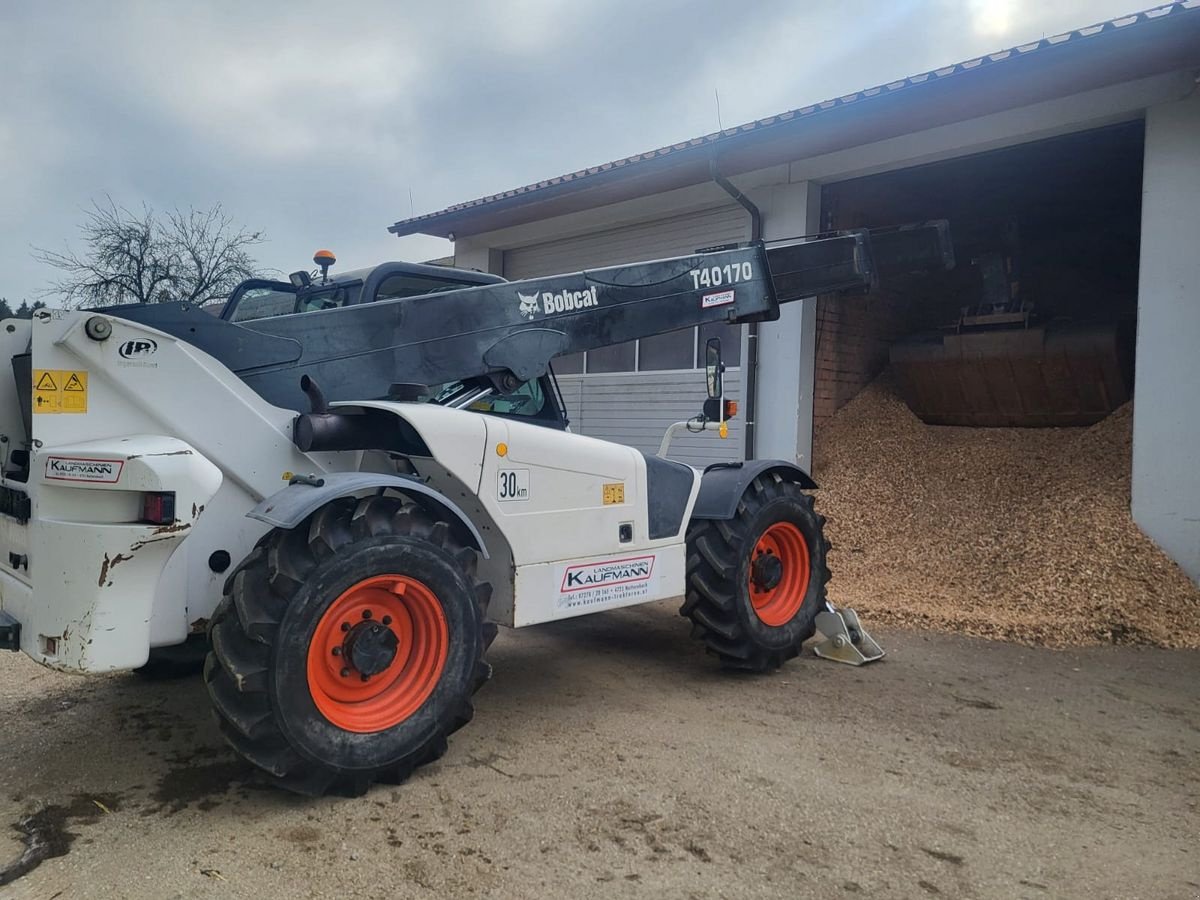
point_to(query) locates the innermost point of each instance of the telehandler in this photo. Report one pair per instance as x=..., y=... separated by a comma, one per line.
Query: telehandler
x=342, y=484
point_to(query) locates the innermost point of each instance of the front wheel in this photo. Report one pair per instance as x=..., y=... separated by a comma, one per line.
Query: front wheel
x=346, y=650
x=756, y=582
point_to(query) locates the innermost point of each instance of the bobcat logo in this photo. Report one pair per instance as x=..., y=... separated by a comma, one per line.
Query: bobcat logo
x=529, y=304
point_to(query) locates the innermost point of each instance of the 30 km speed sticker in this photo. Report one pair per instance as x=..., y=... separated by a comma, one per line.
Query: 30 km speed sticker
x=512, y=484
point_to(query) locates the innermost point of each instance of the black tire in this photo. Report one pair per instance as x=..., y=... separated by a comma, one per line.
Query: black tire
x=720, y=558
x=180, y=661
x=261, y=632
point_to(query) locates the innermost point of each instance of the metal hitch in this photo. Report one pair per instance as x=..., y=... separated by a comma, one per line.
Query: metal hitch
x=845, y=640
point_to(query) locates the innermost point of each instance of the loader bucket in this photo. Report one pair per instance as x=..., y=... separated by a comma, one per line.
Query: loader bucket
x=1058, y=374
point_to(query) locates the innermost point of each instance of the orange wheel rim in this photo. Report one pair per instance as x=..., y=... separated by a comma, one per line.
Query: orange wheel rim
x=779, y=570
x=377, y=653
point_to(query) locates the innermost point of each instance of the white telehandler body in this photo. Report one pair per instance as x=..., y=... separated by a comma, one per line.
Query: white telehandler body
x=345, y=568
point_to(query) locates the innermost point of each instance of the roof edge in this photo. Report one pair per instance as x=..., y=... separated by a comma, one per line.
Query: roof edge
x=656, y=163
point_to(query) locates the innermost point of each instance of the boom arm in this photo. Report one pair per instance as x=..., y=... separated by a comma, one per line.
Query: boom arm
x=510, y=331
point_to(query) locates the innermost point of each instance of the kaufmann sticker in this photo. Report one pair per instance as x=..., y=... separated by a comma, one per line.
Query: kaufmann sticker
x=721, y=298
x=596, y=584
x=75, y=468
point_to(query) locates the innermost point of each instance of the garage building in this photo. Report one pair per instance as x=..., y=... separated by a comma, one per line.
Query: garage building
x=1081, y=150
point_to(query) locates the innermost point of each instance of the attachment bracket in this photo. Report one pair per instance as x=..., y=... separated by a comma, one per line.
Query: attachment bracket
x=845, y=640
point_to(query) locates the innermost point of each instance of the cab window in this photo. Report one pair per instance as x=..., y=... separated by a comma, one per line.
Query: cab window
x=527, y=400
x=263, y=303
x=405, y=284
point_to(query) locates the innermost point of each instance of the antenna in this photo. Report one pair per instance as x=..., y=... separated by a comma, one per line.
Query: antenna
x=717, y=96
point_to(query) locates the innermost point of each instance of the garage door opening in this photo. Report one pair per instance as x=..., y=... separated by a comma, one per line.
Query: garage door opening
x=941, y=511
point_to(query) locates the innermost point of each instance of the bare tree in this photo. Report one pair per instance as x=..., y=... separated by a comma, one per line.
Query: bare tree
x=197, y=255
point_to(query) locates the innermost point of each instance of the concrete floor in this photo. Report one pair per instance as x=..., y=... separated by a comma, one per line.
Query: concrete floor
x=611, y=758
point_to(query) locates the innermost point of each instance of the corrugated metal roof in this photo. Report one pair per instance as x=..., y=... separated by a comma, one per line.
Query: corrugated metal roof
x=716, y=140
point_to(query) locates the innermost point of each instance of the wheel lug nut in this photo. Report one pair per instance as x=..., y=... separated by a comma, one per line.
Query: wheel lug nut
x=345, y=673
x=387, y=620
x=366, y=614
x=337, y=651
x=366, y=677
x=345, y=626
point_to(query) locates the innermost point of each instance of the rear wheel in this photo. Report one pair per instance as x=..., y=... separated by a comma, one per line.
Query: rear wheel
x=346, y=650
x=756, y=582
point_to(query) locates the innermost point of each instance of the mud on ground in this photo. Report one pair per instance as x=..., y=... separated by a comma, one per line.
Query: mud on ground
x=611, y=758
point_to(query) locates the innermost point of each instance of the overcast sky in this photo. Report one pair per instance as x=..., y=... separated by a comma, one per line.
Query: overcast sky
x=314, y=121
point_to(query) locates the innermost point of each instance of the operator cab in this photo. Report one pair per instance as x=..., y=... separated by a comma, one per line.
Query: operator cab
x=538, y=401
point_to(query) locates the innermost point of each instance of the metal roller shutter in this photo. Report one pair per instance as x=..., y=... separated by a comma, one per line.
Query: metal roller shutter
x=676, y=236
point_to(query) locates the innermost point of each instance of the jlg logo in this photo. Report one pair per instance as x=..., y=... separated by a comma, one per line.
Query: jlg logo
x=138, y=349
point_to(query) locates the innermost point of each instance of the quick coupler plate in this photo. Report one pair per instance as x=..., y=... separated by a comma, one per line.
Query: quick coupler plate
x=10, y=632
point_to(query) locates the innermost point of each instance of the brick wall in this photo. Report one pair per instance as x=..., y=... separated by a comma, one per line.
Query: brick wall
x=853, y=336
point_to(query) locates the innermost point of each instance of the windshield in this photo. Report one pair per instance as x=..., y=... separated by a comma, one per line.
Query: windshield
x=265, y=299
x=277, y=300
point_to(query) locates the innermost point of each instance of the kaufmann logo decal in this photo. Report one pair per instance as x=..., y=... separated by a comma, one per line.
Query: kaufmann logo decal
x=617, y=581
x=548, y=302
x=719, y=299
x=75, y=468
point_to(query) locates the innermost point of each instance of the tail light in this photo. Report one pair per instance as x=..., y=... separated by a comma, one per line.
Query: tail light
x=158, y=508
x=731, y=408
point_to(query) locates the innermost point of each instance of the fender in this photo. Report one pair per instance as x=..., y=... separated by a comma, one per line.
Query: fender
x=292, y=505
x=722, y=485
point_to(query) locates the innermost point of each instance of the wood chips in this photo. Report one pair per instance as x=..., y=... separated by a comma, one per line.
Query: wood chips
x=1019, y=534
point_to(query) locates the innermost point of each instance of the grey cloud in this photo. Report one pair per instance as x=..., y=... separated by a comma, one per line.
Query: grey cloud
x=313, y=121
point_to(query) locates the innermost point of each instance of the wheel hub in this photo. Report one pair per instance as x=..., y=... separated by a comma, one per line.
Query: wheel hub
x=766, y=571
x=779, y=573
x=377, y=653
x=370, y=648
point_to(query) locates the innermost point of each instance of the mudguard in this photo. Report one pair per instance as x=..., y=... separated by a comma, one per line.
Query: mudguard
x=722, y=485
x=292, y=505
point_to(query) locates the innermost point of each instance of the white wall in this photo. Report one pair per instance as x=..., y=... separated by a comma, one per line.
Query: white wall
x=1166, y=410
x=783, y=413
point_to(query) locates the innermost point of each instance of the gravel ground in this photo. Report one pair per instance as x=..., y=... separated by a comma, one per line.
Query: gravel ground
x=611, y=758
x=1018, y=533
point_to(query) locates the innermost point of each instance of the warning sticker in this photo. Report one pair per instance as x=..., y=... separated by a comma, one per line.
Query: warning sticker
x=593, y=584
x=613, y=494
x=60, y=391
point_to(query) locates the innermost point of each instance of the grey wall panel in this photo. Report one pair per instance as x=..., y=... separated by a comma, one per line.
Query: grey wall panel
x=636, y=410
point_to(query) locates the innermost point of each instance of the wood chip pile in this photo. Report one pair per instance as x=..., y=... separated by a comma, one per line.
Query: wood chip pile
x=1020, y=534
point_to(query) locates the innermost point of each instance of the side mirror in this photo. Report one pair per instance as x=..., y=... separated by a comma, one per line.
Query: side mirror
x=714, y=368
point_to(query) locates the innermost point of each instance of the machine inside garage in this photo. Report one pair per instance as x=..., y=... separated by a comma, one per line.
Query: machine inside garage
x=1035, y=325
